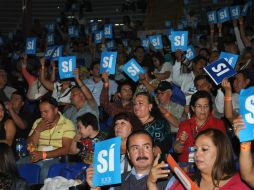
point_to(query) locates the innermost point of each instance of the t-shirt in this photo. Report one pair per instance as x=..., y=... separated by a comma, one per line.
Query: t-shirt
x=54, y=137
x=167, y=66
x=86, y=147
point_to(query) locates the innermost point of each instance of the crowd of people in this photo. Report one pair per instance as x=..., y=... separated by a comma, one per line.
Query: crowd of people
x=174, y=108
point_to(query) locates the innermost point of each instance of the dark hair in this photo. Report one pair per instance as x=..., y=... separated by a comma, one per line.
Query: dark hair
x=200, y=94
x=139, y=47
x=17, y=92
x=49, y=99
x=89, y=119
x=224, y=166
x=138, y=132
x=132, y=118
x=248, y=74
x=121, y=84
x=208, y=79
x=6, y=181
x=159, y=56
x=93, y=64
x=7, y=160
x=198, y=58
x=155, y=112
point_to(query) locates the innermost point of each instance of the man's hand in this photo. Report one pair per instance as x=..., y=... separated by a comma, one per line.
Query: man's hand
x=158, y=171
x=89, y=176
x=43, y=125
x=226, y=85
x=238, y=125
x=104, y=77
x=36, y=156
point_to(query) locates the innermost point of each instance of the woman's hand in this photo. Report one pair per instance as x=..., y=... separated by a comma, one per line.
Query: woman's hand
x=89, y=176
x=238, y=125
x=226, y=85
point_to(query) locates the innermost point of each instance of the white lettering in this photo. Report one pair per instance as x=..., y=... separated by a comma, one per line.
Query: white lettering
x=249, y=105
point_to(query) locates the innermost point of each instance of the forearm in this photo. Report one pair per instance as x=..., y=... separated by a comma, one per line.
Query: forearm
x=228, y=108
x=34, y=138
x=73, y=148
x=151, y=186
x=17, y=120
x=171, y=119
x=46, y=83
x=150, y=88
x=29, y=78
x=239, y=40
x=246, y=41
x=87, y=93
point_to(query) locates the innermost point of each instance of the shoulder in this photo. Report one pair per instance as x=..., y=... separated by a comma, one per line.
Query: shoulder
x=9, y=124
x=235, y=183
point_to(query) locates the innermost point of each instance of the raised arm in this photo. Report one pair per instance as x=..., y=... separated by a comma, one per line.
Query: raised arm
x=46, y=83
x=238, y=37
x=246, y=41
x=212, y=43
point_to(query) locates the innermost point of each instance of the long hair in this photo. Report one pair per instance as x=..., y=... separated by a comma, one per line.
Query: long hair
x=6, y=116
x=7, y=160
x=224, y=166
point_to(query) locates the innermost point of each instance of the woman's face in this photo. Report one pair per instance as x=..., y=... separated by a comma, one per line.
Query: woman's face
x=123, y=128
x=201, y=109
x=142, y=107
x=240, y=83
x=1, y=112
x=156, y=62
x=205, y=154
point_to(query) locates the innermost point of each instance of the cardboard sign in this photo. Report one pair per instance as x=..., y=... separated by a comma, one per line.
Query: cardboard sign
x=30, y=46
x=50, y=40
x=230, y=58
x=246, y=8
x=51, y=28
x=108, y=31
x=106, y=163
x=179, y=40
x=246, y=100
x=212, y=17
x=182, y=176
x=108, y=62
x=94, y=27
x=190, y=53
x=73, y=31
x=66, y=67
x=110, y=45
x=98, y=36
x=156, y=41
x=219, y=70
x=145, y=43
x=235, y=12
x=133, y=69
x=53, y=53
x=223, y=15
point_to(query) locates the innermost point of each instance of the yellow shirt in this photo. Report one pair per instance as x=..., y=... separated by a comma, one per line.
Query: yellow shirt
x=52, y=139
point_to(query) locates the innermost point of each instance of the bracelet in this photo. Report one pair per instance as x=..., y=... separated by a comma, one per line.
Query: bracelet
x=246, y=146
x=106, y=84
x=44, y=155
x=227, y=98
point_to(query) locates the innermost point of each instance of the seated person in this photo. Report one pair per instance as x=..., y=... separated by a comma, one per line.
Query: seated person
x=89, y=134
x=5, y=90
x=50, y=137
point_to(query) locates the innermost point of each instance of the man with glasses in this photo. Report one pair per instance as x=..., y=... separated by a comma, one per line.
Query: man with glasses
x=140, y=150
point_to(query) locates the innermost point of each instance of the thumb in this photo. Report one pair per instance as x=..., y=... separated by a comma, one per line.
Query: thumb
x=156, y=161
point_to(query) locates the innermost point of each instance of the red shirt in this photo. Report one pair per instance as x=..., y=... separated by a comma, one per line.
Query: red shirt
x=189, y=126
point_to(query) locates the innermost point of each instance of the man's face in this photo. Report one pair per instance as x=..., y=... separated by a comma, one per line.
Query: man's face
x=140, y=152
x=83, y=130
x=48, y=112
x=16, y=101
x=164, y=96
x=126, y=92
x=76, y=96
x=3, y=78
x=96, y=70
x=140, y=54
x=198, y=67
x=203, y=84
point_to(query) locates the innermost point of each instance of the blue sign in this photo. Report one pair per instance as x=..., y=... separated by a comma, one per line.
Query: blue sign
x=230, y=58
x=108, y=31
x=156, y=41
x=179, y=40
x=219, y=70
x=110, y=45
x=180, y=26
x=66, y=67
x=73, y=31
x=246, y=100
x=108, y=62
x=106, y=163
x=235, y=12
x=133, y=69
x=53, y=53
x=50, y=40
x=212, y=17
x=191, y=52
x=51, y=28
x=246, y=8
x=168, y=23
x=223, y=15
x=145, y=43
x=125, y=42
x=94, y=27
x=98, y=36
x=30, y=46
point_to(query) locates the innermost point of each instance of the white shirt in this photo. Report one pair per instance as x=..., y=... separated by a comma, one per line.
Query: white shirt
x=167, y=66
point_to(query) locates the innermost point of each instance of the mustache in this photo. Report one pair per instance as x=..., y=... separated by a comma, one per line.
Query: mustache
x=142, y=158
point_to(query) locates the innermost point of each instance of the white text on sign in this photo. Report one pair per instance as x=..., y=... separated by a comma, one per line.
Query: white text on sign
x=108, y=163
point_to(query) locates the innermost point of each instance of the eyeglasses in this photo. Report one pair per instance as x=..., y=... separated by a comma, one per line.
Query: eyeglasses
x=200, y=107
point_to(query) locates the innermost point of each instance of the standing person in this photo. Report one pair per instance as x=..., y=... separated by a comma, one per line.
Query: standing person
x=245, y=159
x=7, y=127
x=149, y=115
x=140, y=150
x=89, y=134
x=201, y=109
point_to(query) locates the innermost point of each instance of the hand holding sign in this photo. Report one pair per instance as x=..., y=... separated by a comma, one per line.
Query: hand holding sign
x=66, y=66
x=104, y=77
x=247, y=111
x=89, y=176
x=179, y=40
x=238, y=125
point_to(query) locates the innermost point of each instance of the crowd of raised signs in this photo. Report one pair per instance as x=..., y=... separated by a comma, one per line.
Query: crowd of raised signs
x=219, y=59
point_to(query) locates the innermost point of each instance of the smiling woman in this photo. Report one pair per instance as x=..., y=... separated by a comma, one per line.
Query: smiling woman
x=202, y=118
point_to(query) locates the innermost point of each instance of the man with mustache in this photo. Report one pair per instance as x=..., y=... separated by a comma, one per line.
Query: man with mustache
x=140, y=150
